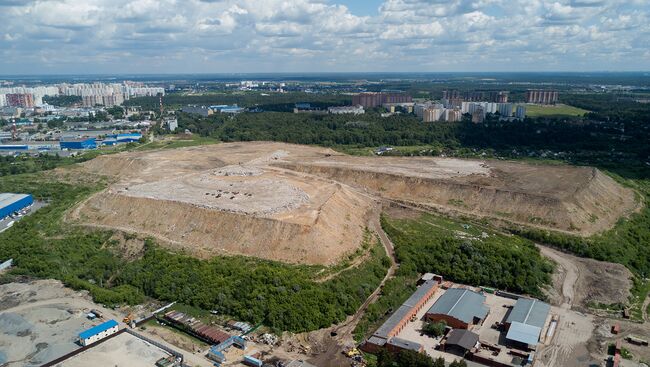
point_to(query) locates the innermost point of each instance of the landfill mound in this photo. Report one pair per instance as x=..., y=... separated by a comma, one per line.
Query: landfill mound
x=581, y=200
x=303, y=204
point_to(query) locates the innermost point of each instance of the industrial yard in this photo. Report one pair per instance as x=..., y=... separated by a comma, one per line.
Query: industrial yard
x=293, y=197
x=41, y=320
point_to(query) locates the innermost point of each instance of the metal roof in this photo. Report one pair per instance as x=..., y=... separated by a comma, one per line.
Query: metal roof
x=463, y=338
x=461, y=304
x=405, y=344
x=392, y=321
x=377, y=341
x=530, y=312
x=523, y=333
x=9, y=198
x=97, y=329
x=404, y=309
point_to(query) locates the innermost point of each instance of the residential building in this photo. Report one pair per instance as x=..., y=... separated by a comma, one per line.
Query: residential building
x=478, y=115
x=505, y=109
x=540, y=96
x=432, y=114
x=376, y=99
x=20, y=100
x=520, y=112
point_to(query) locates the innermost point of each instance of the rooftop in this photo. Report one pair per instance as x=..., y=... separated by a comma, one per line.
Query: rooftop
x=529, y=311
x=404, y=309
x=405, y=344
x=97, y=329
x=526, y=334
x=527, y=320
x=9, y=198
x=462, y=338
x=461, y=304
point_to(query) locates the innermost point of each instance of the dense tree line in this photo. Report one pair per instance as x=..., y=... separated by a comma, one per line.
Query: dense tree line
x=62, y=101
x=508, y=263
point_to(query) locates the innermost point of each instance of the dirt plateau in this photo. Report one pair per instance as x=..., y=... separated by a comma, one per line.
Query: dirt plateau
x=303, y=204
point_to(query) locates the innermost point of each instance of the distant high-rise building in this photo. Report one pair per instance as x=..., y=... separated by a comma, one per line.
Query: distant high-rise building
x=540, y=96
x=521, y=112
x=505, y=109
x=450, y=94
x=25, y=100
x=498, y=96
x=452, y=115
x=478, y=115
x=432, y=114
x=372, y=100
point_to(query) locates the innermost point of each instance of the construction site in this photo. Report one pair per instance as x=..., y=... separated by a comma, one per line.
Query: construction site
x=310, y=205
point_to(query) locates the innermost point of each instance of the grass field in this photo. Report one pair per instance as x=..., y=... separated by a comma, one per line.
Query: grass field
x=533, y=110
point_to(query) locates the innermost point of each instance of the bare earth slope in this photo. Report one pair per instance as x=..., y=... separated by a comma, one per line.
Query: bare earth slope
x=303, y=204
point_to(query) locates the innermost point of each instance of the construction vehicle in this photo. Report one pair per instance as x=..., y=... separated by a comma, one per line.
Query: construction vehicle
x=351, y=352
x=127, y=320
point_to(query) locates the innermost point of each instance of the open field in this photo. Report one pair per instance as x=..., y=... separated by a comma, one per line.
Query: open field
x=535, y=110
x=40, y=321
x=310, y=205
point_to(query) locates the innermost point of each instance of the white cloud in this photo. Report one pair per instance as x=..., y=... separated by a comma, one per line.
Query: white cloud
x=276, y=35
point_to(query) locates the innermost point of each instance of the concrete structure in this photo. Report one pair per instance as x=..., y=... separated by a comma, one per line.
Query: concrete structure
x=401, y=317
x=172, y=124
x=356, y=110
x=98, y=332
x=459, y=308
x=11, y=203
x=78, y=144
x=539, y=96
x=526, y=321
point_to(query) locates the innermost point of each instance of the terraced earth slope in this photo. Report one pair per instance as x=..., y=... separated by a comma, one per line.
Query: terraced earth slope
x=302, y=204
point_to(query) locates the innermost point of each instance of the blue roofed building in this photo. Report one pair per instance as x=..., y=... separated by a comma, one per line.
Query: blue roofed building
x=78, y=144
x=526, y=322
x=98, y=332
x=11, y=203
x=459, y=308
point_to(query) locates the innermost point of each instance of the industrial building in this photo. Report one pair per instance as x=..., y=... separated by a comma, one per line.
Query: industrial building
x=526, y=321
x=78, y=144
x=11, y=203
x=459, y=308
x=195, y=327
x=98, y=332
x=385, y=335
x=460, y=341
x=224, y=108
x=355, y=110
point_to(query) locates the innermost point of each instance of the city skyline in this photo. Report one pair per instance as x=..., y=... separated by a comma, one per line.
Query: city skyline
x=121, y=37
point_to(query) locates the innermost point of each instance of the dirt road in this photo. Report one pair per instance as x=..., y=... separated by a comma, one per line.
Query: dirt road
x=568, y=274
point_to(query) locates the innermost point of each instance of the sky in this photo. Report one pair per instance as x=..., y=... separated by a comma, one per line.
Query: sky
x=232, y=36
